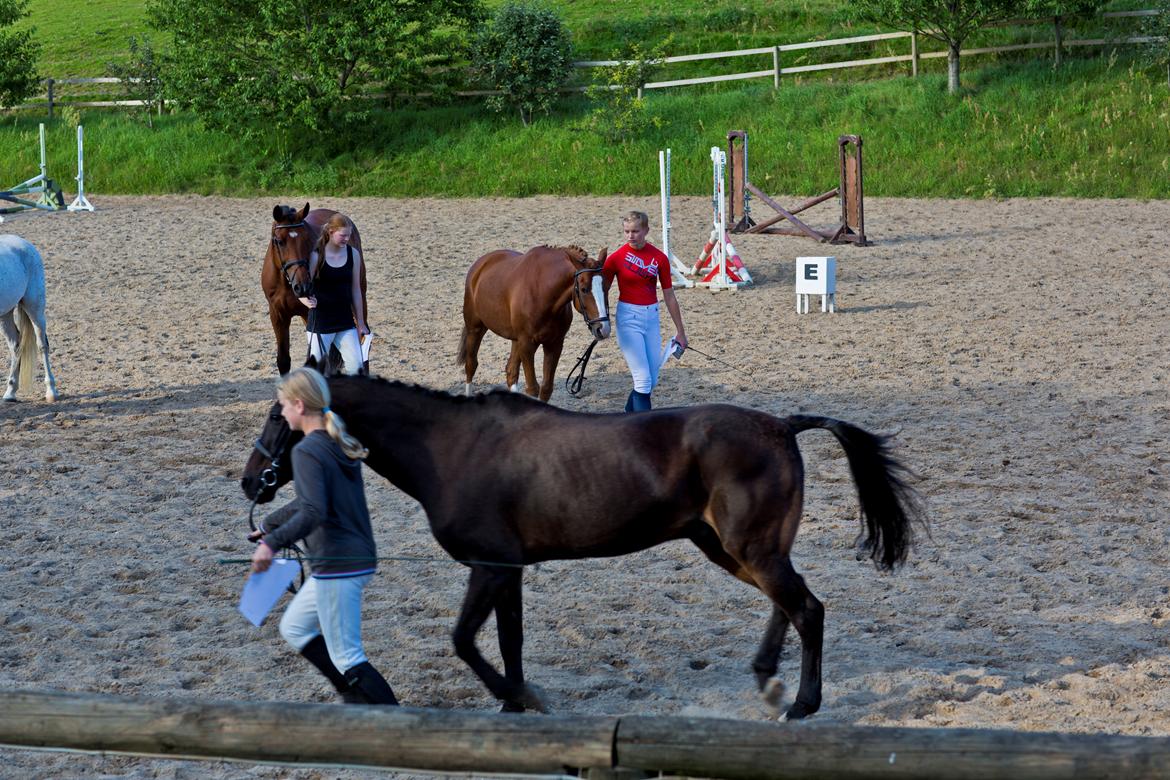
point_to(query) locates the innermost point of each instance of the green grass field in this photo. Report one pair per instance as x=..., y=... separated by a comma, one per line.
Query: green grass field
x=1093, y=128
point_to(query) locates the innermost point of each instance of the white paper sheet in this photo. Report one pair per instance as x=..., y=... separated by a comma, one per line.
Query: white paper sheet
x=667, y=352
x=366, y=347
x=263, y=589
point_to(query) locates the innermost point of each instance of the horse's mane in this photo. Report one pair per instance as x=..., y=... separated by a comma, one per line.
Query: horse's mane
x=495, y=397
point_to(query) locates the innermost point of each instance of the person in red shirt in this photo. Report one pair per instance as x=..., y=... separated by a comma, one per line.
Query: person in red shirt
x=639, y=268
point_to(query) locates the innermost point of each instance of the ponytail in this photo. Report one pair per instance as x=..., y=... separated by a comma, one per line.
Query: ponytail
x=335, y=427
x=307, y=385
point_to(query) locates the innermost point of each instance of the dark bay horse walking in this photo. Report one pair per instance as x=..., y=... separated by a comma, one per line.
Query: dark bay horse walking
x=506, y=480
x=526, y=298
x=285, y=276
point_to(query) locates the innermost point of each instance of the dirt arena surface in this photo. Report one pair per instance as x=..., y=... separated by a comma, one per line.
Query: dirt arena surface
x=1020, y=347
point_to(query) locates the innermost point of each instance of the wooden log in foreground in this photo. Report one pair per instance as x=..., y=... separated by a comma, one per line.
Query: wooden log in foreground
x=438, y=740
x=443, y=740
x=747, y=750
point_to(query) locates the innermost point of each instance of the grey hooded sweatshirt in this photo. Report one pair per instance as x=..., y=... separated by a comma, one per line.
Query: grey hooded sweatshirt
x=329, y=513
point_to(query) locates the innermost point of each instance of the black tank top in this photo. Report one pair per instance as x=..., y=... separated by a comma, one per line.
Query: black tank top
x=334, y=291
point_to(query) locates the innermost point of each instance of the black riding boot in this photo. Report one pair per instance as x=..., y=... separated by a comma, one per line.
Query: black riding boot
x=317, y=654
x=364, y=680
x=640, y=401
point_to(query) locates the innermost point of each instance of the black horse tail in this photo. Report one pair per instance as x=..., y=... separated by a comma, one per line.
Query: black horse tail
x=461, y=355
x=890, y=508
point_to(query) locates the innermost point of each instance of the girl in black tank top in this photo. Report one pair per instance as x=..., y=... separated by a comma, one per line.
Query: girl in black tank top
x=334, y=292
x=336, y=311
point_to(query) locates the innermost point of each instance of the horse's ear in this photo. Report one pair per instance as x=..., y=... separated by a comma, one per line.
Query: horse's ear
x=277, y=211
x=304, y=212
x=602, y=255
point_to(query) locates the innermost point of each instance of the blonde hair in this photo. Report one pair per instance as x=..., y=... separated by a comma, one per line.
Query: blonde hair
x=336, y=222
x=637, y=216
x=306, y=384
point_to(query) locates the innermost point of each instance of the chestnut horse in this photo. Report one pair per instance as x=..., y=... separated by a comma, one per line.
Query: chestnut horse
x=507, y=481
x=526, y=298
x=285, y=276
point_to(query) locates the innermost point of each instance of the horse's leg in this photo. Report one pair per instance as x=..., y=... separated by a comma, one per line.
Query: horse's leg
x=510, y=630
x=12, y=337
x=472, y=338
x=512, y=371
x=528, y=360
x=36, y=313
x=280, y=329
x=483, y=593
x=767, y=659
x=552, y=356
x=792, y=597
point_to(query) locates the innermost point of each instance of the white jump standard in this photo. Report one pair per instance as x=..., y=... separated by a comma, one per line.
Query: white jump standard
x=48, y=194
x=727, y=271
x=678, y=271
x=80, y=203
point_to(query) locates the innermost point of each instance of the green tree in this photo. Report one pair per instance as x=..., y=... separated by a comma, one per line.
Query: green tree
x=526, y=53
x=1157, y=28
x=141, y=77
x=18, y=55
x=948, y=21
x=620, y=111
x=297, y=64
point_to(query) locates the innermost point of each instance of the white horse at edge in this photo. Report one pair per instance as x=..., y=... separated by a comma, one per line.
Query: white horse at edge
x=22, y=313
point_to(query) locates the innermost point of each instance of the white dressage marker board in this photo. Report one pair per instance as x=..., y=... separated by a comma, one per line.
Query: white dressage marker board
x=816, y=276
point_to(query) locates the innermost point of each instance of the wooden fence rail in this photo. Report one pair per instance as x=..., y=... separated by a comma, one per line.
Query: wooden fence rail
x=775, y=72
x=460, y=742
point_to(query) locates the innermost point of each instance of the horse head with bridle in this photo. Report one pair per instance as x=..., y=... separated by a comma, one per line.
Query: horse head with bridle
x=286, y=276
x=529, y=299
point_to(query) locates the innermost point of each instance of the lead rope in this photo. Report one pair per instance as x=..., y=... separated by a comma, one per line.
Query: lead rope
x=574, y=385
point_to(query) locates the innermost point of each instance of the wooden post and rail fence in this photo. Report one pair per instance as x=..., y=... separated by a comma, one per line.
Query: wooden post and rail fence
x=588, y=746
x=914, y=58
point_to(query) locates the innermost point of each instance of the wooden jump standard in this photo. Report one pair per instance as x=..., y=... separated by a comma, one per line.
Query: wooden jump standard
x=461, y=742
x=850, y=229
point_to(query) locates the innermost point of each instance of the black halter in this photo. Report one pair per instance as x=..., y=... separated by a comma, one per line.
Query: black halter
x=577, y=297
x=288, y=265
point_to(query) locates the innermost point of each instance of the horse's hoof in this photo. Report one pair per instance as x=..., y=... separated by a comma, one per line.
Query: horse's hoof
x=798, y=711
x=773, y=692
x=511, y=706
x=531, y=699
x=10, y=399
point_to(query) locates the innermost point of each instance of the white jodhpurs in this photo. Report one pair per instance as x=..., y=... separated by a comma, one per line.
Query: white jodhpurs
x=640, y=342
x=348, y=344
x=333, y=608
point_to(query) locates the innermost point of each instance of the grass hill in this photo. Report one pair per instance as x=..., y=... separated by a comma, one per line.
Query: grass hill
x=1094, y=127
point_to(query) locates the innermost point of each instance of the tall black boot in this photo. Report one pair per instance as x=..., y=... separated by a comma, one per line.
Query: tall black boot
x=365, y=680
x=317, y=654
x=640, y=401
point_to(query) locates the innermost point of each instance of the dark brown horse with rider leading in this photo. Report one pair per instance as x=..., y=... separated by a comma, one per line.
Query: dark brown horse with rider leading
x=285, y=277
x=529, y=299
x=507, y=481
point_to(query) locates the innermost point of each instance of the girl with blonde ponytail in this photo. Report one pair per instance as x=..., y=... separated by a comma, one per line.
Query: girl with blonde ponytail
x=323, y=621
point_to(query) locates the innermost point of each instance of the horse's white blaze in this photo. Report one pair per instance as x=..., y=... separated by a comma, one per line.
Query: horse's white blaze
x=602, y=311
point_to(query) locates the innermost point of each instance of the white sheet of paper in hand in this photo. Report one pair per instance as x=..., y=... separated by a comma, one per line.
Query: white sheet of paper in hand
x=667, y=352
x=263, y=589
x=366, y=346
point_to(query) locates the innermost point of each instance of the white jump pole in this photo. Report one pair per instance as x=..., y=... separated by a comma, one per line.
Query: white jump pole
x=719, y=164
x=677, y=269
x=80, y=203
